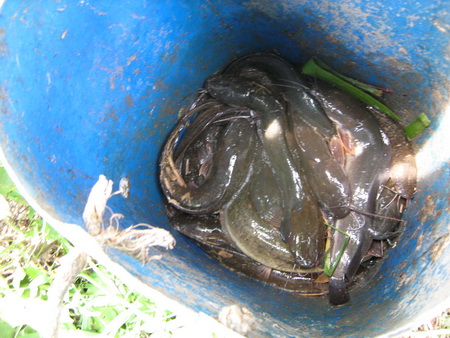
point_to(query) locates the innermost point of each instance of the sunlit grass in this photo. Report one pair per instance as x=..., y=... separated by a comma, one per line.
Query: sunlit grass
x=96, y=303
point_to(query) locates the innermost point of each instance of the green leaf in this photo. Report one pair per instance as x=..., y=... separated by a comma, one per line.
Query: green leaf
x=37, y=222
x=27, y=332
x=97, y=324
x=330, y=267
x=36, y=286
x=18, y=276
x=86, y=321
x=313, y=69
x=8, y=189
x=16, y=197
x=6, y=330
x=31, y=213
x=69, y=330
x=108, y=313
x=52, y=235
x=33, y=271
x=6, y=185
x=417, y=126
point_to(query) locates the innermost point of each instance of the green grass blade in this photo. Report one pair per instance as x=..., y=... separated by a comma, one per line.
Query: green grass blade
x=8, y=189
x=361, y=85
x=313, y=69
x=417, y=126
x=330, y=267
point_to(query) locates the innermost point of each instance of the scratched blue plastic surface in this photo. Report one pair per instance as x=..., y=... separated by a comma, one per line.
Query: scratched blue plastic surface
x=94, y=88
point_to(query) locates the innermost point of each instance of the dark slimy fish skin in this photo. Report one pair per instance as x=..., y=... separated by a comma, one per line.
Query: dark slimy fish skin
x=197, y=163
x=396, y=193
x=257, y=238
x=204, y=120
x=325, y=176
x=389, y=209
x=270, y=127
x=261, y=158
x=246, y=230
x=231, y=162
x=310, y=125
x=289, y=83
x=265, y=196
x=301, y=216
x=207, y=232
x=403, y=170
x=238, y=92
x=307, y=234
x=366, y=171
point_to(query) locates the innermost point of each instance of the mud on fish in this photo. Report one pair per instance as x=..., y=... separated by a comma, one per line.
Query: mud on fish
x=270, y=173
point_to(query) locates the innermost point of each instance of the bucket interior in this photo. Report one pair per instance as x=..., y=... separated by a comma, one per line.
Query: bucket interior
x=89, y=89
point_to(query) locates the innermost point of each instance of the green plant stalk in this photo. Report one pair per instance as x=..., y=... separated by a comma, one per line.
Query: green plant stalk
x=329, y=267
x=417, y=126
x=313, y=69
x=361, y=85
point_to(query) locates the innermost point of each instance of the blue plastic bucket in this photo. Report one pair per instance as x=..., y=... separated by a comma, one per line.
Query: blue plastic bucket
x=89, y=88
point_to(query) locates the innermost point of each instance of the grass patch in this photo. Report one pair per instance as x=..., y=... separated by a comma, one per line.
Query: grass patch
x=97, y=303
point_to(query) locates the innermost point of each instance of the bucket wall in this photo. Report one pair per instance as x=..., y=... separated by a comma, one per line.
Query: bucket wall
x=94, y=88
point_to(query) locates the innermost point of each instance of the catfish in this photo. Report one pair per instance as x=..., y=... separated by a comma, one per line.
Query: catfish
x=230, y=168
x=271, y=125
x=207, y=233
x=314, y=131
x=366, y=170
x=397, y=192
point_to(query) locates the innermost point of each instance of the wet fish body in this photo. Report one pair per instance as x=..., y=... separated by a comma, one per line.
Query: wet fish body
x=389, y=210
x=325, y=176
x=203, y=121
x=231, y=163
x=257, y=161
x=366, y=171
x=270, y=127
x=396, y=193
x=294, y=89
x=307, y=233
x=255, y=237
x=207, y=232
x=310, y=125
x=403, y=170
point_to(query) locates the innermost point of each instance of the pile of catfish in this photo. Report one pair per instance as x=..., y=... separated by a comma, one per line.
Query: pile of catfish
x=290, y=182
